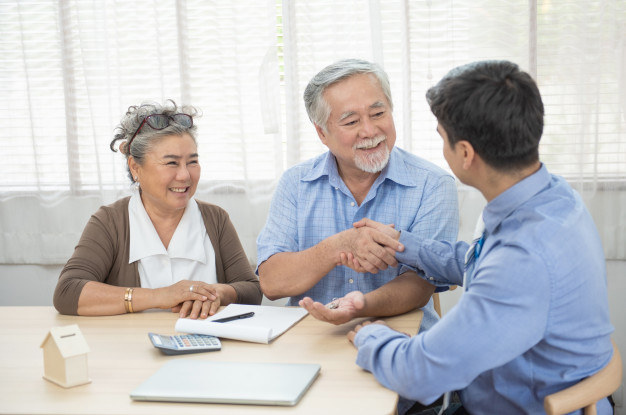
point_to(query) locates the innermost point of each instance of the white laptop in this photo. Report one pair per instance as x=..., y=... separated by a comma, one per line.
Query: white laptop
x=201, y=381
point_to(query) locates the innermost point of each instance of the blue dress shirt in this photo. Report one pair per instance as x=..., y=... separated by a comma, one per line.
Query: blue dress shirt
x=311, y=203
x=533, y=320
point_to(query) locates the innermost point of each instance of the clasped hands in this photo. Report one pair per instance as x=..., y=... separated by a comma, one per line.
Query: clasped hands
x=369, y=246
x=193, y=299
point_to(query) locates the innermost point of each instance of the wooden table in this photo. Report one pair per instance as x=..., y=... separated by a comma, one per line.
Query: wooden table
x=121, y=357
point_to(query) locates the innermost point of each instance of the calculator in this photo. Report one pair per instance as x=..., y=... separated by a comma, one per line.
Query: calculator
x=185, y=343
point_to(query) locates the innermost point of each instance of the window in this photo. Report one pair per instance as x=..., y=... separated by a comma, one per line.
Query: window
x=70, y=69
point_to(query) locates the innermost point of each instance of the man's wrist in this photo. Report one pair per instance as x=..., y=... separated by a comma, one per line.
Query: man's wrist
x=333, y=246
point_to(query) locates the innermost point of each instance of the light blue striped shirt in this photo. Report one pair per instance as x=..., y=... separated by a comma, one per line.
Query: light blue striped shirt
x=311, y=203
x=534, y=319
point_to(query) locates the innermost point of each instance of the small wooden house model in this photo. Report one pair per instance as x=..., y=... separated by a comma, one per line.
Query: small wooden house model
x=65, y=356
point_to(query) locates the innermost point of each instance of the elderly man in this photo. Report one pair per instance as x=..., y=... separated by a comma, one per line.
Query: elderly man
x=310, y=224
x=534, y=316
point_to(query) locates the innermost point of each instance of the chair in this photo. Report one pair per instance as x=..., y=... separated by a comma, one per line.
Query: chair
x=587, y=392
x=437, y=303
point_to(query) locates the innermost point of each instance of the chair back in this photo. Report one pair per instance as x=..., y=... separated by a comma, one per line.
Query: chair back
x=587, y=392
x=437, y=302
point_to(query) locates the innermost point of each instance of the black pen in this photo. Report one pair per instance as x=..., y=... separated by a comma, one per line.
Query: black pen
x=231, y=318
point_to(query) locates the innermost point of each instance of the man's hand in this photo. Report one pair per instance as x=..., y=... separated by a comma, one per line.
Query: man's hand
x=388, y=230
x=373, y=249
x=352, y=334
x=338, y=311
x=348, y=260
x=388, y=242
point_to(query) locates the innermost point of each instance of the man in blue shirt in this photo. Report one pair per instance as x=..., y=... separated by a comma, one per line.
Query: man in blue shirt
x=316, y=203
x=534, y=317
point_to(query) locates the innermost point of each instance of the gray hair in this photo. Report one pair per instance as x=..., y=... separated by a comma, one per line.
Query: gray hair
x=316, y=106
x=147, y=137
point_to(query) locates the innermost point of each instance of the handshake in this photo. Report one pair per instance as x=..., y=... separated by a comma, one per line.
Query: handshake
x=369, y=246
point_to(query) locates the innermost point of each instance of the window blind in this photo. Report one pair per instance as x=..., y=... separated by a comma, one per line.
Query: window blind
x=70, y=69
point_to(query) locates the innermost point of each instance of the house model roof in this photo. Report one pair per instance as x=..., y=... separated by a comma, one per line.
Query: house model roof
x=69, y=340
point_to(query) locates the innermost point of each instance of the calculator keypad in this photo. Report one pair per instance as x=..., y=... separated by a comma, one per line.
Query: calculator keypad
x=198, y=341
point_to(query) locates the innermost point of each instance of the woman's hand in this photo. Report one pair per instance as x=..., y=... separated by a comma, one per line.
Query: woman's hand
x=185, y=290
x=220, y=294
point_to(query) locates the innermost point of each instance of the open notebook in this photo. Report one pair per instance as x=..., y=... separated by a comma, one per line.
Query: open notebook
x=267, y=323
x=228, y=382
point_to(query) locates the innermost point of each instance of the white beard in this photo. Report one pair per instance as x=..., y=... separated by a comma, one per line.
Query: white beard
x=373, y=162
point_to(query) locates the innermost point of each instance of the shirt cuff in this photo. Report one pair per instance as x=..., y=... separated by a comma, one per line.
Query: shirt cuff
x=370, y=331
x=412, y=245
x=370, y=341
x=409, y=246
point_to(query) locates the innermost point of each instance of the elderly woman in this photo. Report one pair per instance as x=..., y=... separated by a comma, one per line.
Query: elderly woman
x=158, y=248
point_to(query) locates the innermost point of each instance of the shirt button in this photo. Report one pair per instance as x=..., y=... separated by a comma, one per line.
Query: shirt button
x=431, y=278
x=351, y=203
x=336, y=188
x=350, y=280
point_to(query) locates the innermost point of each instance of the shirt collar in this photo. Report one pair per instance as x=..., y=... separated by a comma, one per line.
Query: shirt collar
x=189, y=237
x=395, y=170
x=508, y=201
x=187, y=241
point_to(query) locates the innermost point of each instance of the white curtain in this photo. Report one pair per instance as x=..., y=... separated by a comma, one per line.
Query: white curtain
x=70, y=69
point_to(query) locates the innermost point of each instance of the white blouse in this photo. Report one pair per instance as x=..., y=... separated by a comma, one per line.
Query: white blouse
x=190, y=255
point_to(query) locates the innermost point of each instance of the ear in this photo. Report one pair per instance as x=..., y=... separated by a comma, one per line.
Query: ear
x=321, y=134
x=133, y=166
x=467, y=152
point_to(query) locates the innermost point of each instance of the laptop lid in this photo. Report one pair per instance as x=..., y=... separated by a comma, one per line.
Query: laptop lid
x=200, y=381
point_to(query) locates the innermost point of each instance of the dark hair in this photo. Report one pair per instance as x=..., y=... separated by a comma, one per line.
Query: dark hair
x=316, y=106
x=494, y=106
x=145, y=139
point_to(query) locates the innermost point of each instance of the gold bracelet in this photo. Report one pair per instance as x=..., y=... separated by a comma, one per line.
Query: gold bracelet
x=128, y=300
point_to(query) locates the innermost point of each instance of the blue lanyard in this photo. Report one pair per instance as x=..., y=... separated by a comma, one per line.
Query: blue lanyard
x=479, y=246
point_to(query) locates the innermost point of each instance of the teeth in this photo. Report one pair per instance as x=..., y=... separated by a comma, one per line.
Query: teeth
x=366, y=145
x=178, y=189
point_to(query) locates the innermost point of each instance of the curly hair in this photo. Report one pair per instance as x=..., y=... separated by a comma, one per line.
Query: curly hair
x=147, y=137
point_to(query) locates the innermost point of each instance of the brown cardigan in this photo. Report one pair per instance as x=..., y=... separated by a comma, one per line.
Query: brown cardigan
x=102, y=255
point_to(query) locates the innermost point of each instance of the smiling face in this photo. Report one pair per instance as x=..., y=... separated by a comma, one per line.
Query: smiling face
x=169, y=174
x=360, y=131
